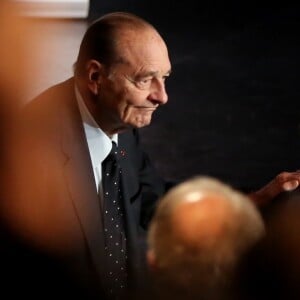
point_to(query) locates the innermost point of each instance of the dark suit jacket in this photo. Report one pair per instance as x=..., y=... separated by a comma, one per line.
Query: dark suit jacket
x=57, y=208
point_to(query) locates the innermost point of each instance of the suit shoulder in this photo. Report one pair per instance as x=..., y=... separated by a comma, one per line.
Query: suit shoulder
x=51, y=96
x=47, y=104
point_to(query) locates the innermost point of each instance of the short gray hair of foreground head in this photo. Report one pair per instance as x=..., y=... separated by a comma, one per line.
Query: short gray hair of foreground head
x=241, y=226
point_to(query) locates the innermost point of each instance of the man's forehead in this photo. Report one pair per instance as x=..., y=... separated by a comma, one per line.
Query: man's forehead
x=145, y=51
x=138, y=39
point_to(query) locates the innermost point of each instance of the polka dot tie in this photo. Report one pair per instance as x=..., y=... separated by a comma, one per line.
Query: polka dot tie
x=114, y=229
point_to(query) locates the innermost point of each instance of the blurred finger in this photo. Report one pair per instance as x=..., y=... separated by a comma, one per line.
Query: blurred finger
x=290, y=185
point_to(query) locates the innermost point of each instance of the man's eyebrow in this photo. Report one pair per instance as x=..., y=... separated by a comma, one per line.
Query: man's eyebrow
x=152, y=74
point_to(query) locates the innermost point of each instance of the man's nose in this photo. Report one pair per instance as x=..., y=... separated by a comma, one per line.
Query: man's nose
x=159, y=93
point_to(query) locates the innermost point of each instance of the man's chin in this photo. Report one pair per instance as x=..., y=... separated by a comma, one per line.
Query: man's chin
x=144, y=122
x=137, y=122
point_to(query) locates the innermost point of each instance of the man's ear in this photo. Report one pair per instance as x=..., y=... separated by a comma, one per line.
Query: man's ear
x=94, y=72
x=151, y=261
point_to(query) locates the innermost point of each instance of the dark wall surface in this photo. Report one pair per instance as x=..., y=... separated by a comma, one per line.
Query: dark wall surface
x=234, y=107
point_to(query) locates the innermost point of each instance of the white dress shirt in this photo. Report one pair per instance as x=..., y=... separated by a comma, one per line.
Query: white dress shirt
x=98, y=142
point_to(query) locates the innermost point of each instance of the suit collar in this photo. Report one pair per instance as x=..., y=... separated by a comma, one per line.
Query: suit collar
x=79, y=175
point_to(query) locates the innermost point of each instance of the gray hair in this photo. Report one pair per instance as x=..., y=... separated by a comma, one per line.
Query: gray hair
x=207, y=264
x=102, y=37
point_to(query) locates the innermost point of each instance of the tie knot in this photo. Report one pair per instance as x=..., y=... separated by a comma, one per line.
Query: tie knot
x=114, y=147
x=113, y=154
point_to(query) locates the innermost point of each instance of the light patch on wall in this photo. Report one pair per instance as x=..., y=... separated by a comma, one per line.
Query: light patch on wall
x=54, y=8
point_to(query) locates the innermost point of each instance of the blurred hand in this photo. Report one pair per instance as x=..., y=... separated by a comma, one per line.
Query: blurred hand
x=285, y=181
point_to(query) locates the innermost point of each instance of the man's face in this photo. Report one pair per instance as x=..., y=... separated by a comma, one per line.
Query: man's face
x=135, y=87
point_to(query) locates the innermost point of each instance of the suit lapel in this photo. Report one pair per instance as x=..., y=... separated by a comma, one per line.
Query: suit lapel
x=80, y=181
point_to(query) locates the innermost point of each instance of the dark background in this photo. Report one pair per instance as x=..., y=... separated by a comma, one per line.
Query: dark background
x=233, y=109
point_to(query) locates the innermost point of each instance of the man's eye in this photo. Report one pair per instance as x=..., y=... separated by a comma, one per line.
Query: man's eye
x=143, y=83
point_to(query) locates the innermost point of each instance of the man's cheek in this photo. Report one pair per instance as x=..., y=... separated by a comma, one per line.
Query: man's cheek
x=128, y=112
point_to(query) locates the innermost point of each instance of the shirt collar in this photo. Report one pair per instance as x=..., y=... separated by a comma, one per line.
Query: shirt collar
x=98, y=142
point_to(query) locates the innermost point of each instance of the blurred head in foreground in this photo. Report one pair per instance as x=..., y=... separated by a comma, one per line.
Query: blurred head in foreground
x=200, y=230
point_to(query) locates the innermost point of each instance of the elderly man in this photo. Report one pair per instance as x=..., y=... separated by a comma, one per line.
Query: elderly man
x=84, y=189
